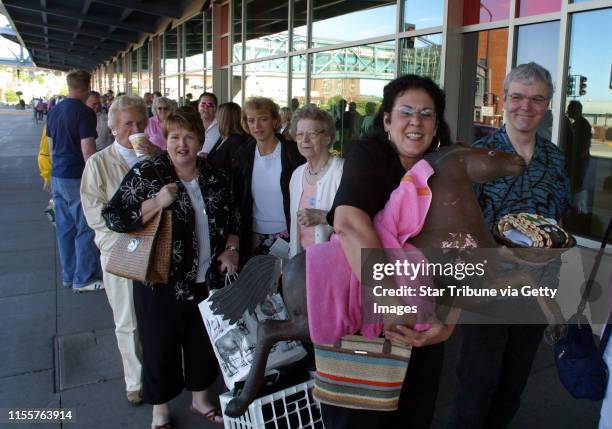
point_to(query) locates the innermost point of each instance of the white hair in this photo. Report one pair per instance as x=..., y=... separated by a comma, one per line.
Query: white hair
x=125, y=102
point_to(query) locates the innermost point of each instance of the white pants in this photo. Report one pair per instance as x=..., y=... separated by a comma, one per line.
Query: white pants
x=605, y=421
x=119, y=293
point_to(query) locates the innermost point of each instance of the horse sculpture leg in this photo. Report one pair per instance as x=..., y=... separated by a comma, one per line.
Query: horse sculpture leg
x=268, y=334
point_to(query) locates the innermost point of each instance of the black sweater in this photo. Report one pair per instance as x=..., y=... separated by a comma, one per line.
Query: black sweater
x=242, y=173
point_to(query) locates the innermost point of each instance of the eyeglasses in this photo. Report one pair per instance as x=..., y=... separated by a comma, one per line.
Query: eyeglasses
x=517, y=98
x=207, y=104
x=425, y=114
x=301, y=135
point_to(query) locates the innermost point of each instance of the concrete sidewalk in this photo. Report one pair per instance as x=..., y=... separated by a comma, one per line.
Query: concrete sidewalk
x=58, y=349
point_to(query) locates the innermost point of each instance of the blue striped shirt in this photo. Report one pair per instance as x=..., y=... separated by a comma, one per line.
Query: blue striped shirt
x=542, y=189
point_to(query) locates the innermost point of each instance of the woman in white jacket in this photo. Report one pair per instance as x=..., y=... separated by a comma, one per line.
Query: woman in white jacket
x=313, y=185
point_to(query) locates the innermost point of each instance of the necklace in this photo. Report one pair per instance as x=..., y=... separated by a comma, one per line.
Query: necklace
x=316, y=173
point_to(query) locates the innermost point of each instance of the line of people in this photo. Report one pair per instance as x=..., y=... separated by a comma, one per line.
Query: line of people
x=239, y=179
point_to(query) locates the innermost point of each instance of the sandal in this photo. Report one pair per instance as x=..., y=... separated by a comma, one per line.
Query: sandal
x=213, y=415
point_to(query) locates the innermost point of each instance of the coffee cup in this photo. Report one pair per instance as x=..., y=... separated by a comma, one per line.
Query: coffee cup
x=136, y=140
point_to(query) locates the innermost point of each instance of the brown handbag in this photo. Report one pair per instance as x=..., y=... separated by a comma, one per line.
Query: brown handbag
x=144, y=255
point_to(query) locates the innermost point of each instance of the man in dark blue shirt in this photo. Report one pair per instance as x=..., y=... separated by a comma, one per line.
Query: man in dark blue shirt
x=71, y=128
x=495, y=360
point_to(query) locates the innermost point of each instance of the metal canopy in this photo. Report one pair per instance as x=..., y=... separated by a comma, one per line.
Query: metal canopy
x=66, y=34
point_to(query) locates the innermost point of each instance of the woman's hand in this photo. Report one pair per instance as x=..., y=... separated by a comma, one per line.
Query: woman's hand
x=229, y=261
x=438, y=333
x=149, y=149
x=166, y=195
x=311, y=217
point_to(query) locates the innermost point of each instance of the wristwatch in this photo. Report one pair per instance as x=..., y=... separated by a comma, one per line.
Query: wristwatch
x=232, y=248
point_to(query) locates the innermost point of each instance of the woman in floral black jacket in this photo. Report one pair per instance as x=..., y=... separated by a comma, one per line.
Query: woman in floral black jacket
x=205, y=223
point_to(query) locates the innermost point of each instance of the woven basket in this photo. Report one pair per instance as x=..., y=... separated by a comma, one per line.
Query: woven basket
x=144, y=255
x=361, y=373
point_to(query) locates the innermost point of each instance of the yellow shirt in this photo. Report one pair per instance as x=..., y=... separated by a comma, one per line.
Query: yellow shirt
x=44, y=156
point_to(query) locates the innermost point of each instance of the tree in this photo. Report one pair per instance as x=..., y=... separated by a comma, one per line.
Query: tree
x=11, y=96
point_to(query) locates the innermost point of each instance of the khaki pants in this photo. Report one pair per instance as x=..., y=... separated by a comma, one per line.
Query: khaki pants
x=119, y=293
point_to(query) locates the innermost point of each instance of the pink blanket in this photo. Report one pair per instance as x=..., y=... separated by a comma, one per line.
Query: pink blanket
x=333, y=291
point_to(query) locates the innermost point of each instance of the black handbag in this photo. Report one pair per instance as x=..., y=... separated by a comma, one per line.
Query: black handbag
x=579, y=361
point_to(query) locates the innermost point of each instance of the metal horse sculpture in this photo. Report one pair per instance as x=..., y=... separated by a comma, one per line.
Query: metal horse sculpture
x=454, y=214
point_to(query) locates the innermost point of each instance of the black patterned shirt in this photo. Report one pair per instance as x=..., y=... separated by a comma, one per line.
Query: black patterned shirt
x=144, y=181
x=542, y=189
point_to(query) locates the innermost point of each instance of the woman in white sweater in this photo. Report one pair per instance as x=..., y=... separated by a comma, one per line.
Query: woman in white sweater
x=313, y=185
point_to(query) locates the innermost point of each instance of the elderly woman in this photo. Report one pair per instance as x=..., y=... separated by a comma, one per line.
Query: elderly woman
x=102, y=176
x=408, y=124
x=162, y=108
x=313, y=185
x=177, y=352
x=232, y=136
x=262, y=169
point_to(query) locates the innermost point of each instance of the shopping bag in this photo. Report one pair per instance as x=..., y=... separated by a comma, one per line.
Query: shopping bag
x=234, y=343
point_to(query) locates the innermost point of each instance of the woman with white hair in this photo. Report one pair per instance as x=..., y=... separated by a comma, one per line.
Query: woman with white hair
x=162, y=108
x=313, y=185
x=102, y=176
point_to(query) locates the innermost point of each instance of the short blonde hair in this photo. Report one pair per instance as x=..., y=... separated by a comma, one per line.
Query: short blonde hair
x=255, y=104
x=126, y=102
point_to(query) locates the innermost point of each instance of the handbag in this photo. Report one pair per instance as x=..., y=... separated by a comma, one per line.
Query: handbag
x=361, y=373
x=144, y=255
x=579, y=361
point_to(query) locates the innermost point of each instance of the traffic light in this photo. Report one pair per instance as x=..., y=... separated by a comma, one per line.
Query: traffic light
x=582, y=88
x=571, y=85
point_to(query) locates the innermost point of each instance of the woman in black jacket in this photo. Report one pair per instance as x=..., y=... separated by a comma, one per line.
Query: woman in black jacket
x=176, y=350
x=261, y=172
x=232, y=137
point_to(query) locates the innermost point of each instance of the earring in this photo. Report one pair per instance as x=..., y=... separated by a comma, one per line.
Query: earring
x=437, y=144
x=389, y=135
x=114, y=132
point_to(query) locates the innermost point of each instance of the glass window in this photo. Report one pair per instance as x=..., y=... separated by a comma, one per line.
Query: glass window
x=481, y=11
x=299, y=25
x=482, y=86
x=344, y=81
x=170, y=53
x=236, y=74
x=544, y=53
x=535, y=7
x=171, y=88
x=193, y=43
x=266, y=28
x=421, y=55
x=298, y=81
x=209, y=40
x=267, y=79
x=134, y=69
x=237, y=26
x=586, y=130
x=145, y=61
x=194, y=84
x=340, y=21
x=420, y=14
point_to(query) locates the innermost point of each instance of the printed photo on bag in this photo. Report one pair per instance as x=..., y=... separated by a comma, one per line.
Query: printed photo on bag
x=234, y=343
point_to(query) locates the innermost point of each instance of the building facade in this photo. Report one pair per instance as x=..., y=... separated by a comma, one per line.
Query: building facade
x=340, y=54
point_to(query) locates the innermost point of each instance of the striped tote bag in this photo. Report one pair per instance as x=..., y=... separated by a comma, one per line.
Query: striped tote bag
x=361, y=373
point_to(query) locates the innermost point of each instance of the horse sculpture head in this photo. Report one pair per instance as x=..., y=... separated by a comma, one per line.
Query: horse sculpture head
x=479, y=164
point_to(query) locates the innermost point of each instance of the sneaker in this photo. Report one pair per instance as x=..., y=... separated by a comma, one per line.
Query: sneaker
x=89, y=287
x=134, y=397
